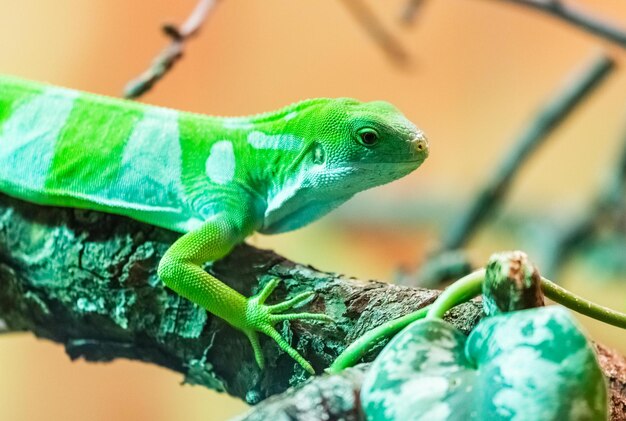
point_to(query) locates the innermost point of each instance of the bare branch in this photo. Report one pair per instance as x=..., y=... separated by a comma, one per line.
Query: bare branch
x=543, y=124
x=171, y=53
x=610, y=201
x=492, y=193
x=578, y=17
x=377, y=32
x=411, y=10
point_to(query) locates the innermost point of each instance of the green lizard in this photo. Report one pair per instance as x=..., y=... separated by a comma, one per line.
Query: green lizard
x=215, y=179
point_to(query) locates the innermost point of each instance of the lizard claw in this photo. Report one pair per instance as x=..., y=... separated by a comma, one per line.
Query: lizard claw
x=261, y=318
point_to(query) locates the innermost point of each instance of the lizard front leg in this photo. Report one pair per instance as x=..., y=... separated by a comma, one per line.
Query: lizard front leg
x=181, y=270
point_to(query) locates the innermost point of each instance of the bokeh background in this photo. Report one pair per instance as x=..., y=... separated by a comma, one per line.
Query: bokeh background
x=477, y=70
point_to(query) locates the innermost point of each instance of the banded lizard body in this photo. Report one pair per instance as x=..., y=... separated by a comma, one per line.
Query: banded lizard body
x=214, y=179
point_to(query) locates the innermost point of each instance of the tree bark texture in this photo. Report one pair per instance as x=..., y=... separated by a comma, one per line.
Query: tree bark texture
x=88, y=281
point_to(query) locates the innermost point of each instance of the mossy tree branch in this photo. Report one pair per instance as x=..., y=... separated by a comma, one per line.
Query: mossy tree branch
x=88, y=281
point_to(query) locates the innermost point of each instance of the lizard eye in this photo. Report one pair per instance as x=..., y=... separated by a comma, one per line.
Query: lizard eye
x=367, y=137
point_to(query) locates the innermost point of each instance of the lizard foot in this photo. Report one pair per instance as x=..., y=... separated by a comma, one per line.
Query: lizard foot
x=262, y=318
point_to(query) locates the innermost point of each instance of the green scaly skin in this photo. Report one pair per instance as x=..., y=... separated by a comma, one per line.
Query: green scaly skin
x=214, y=179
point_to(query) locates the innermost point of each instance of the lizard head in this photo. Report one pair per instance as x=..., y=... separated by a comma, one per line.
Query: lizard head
x=368, y=143
x=348, y=146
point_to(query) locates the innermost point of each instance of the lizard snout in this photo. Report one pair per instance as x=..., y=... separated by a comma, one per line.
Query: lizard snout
x=420, y=145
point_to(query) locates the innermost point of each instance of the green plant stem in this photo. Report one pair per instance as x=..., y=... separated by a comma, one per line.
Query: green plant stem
x=357, y=349
x=462, y=290
x=471, y=285
x=459, y=292
x=582, y=306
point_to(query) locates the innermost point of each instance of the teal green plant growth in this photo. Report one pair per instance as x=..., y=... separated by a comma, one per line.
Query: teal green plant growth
x=216, y=180
x=518, y=363
x=462, y=290
x=526, y=365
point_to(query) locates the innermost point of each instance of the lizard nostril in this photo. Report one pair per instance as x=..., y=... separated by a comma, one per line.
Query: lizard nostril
x=421, y=145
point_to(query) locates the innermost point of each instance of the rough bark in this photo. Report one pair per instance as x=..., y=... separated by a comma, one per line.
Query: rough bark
x=88, y=281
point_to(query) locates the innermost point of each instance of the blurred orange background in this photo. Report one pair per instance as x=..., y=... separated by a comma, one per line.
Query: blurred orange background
x=477, y=71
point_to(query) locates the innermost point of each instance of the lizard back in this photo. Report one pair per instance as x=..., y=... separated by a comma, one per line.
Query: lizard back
x=67, y=148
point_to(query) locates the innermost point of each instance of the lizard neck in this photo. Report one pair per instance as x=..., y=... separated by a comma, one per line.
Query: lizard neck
x=297, y=201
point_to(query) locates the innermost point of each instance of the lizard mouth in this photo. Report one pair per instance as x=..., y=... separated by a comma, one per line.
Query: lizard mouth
x=390, y=161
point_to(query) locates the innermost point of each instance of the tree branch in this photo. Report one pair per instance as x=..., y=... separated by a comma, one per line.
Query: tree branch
x=333, y=397
x=578, y=17
x=410, y=11
x=492, y=193
x=376, y=30
x=172, y=53
x=543, y=124
x=88, y=281
x=608, y=206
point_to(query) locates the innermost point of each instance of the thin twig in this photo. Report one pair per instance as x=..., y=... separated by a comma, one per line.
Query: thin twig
x=410, y=11
x=441, y=267
x=607, y=202
x=336, y=397
x=375, y=29
x=578, y=17
x=171, y=53
x=435, y=271
x=544, y=123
